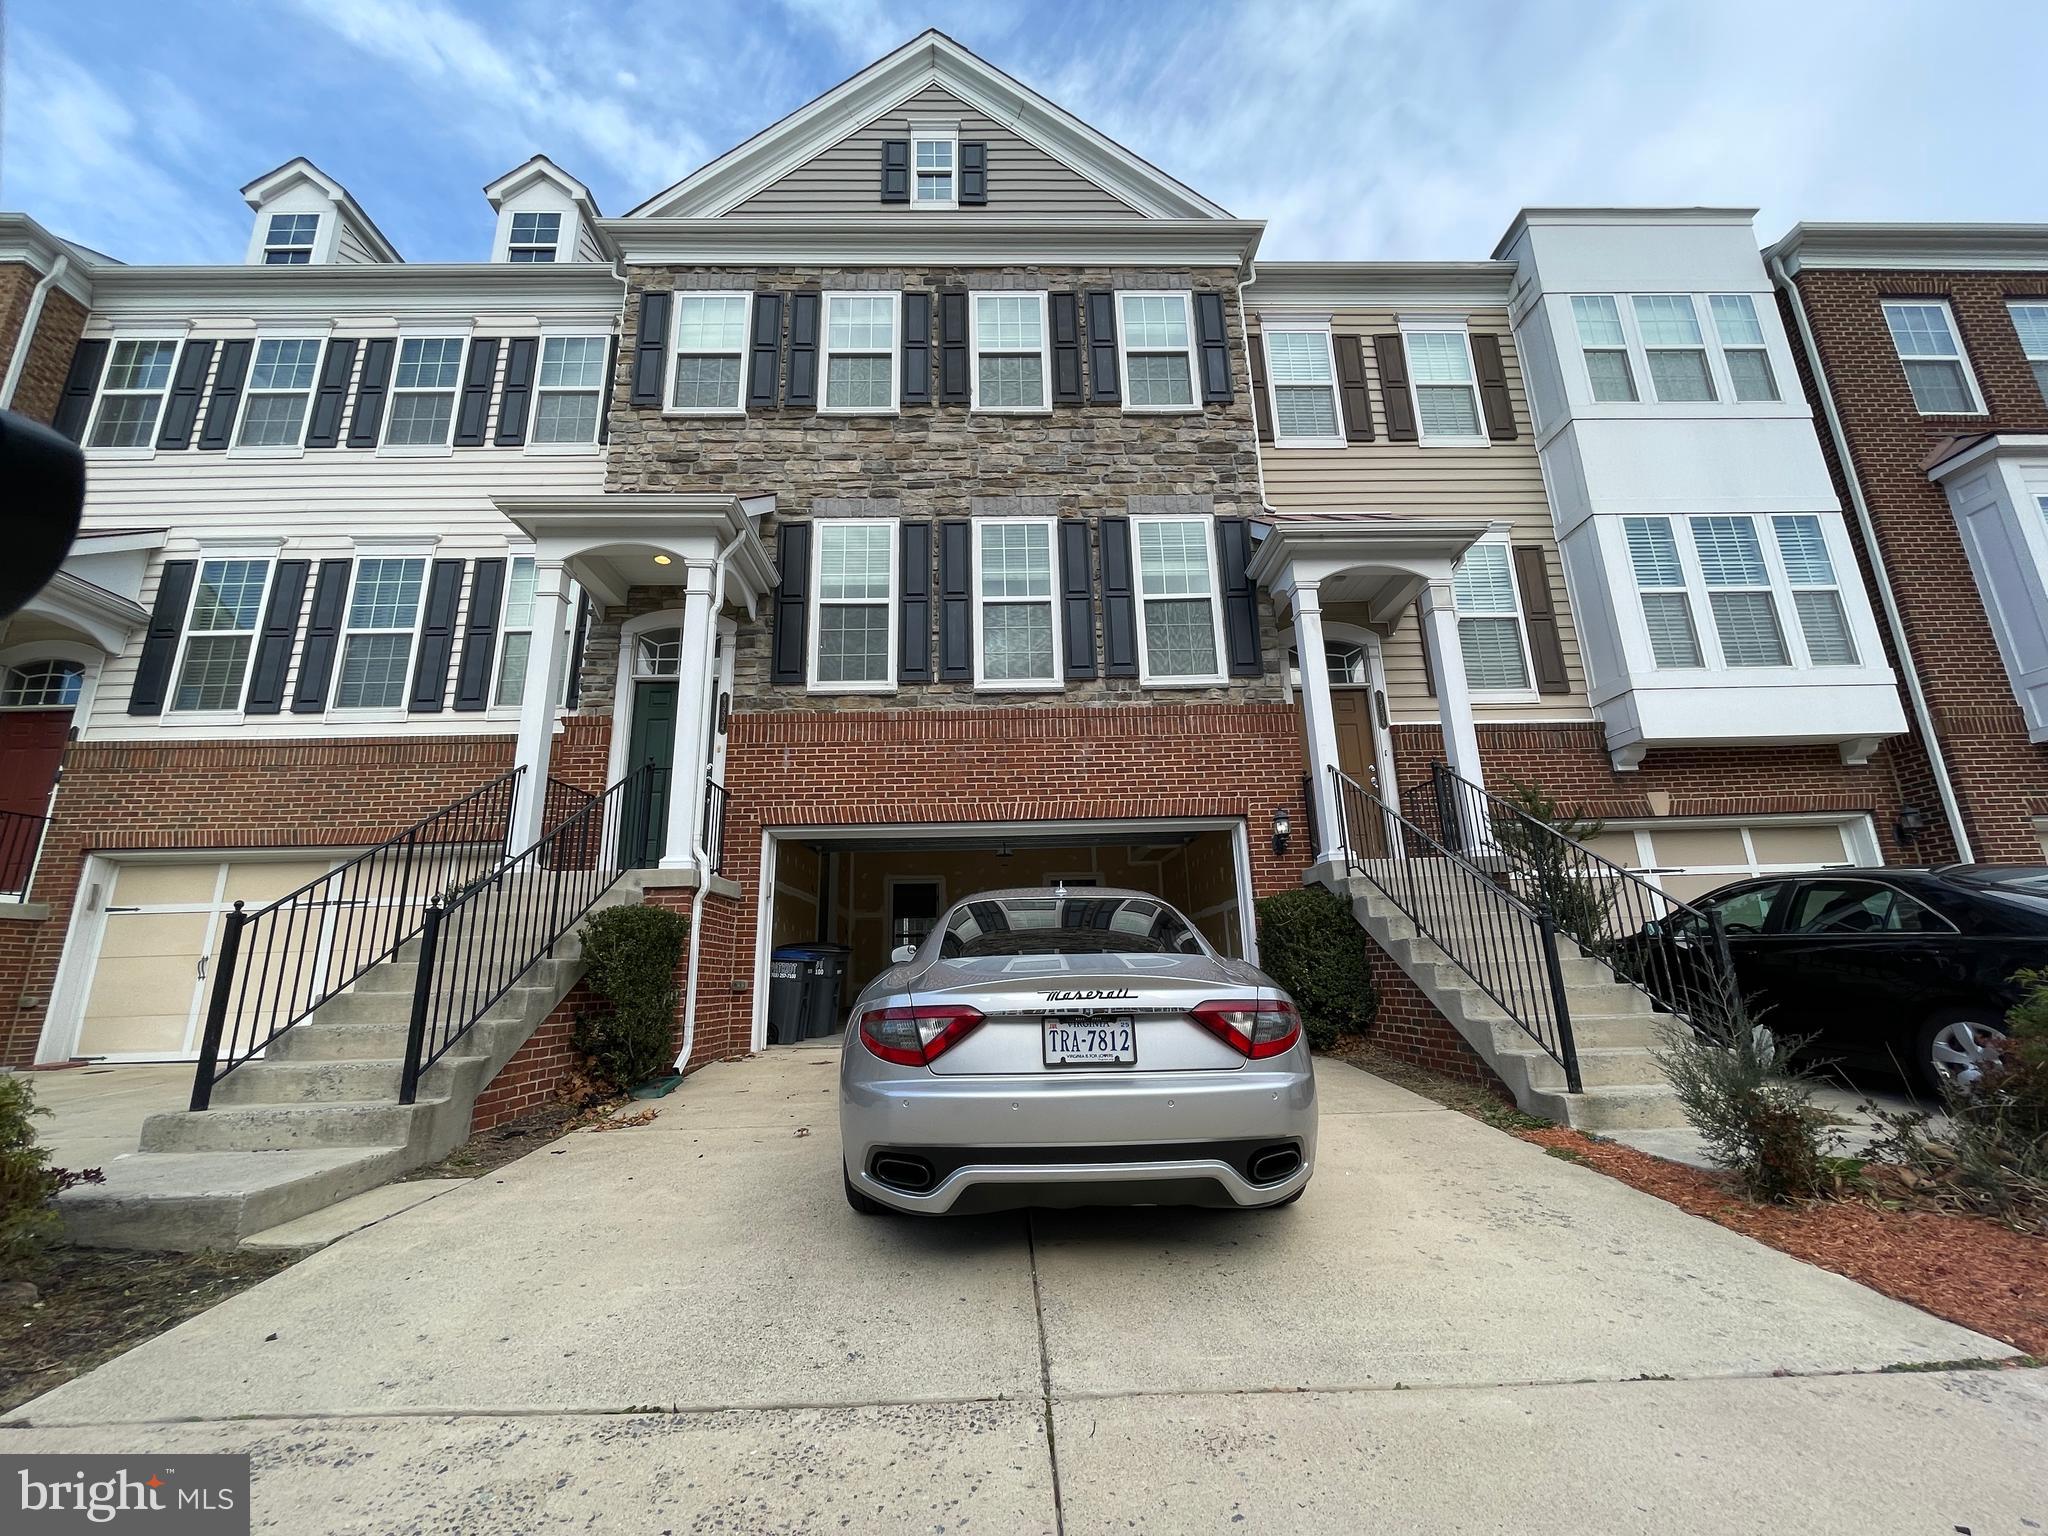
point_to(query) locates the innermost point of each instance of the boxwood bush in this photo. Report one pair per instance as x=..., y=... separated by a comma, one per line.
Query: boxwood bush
x=631, y=954
x=1311, y=944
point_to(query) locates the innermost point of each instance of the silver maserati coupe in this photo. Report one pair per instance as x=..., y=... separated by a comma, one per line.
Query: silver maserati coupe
x=1072, y=1046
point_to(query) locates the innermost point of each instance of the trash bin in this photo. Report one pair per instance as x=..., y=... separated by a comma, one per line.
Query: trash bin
x=789, y=988
x=828, y=976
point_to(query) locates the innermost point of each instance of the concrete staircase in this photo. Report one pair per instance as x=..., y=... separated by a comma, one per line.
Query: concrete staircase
x=1613, y=1024
x=316, y=1119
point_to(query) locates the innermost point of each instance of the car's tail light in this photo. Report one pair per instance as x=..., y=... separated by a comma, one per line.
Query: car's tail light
x=917, y=1037
x=1256, y=1028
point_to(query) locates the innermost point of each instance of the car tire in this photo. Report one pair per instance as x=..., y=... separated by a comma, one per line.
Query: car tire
x=1955, y=1045
x=1278, y=1204
x=859, y=1201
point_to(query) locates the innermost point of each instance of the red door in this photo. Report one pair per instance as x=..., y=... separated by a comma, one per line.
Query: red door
x=31, y=748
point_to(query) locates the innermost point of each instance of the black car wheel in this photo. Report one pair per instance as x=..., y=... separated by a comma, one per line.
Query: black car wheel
x=859, y=1201
x=1956, y=1046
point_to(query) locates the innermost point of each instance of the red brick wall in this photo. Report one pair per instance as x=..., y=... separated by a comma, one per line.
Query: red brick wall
x=57, y=332
x=536, y=1073
x=1408, y=1025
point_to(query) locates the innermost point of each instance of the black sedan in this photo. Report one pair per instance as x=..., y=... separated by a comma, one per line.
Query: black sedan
x=1912, y=967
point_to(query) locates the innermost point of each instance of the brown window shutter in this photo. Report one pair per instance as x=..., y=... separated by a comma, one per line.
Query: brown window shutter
x=1493, y=388
x=1262, y=397
x=1351, y=388
x=1392, y=358
x=1539, y=613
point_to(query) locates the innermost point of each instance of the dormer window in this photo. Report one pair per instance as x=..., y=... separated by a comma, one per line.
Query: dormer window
x=535, y=237
x=935, y=164
x=290, y=241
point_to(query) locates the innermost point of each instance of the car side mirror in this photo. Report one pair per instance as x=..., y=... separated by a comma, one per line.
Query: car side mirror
x=903, y=954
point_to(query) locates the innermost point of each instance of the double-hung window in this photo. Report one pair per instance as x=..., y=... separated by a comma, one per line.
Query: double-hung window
x=132, y=398
x=289, y=242
x=535, y=237
x=1661, y=586
x=1739, y=592
x=860, y=352
x=1010, y=366
x=935, y=164
x=1742, y=344
x=1673, y=347
x=1605, y=347
x=423, y=392
x=1157, y=338
x=383, y=619
x=220, y=632
x=1446, y=390
x=709, y=363
x=1924, y=335
x=1816, y=594
x=515, y=633
x=854, y=638
x=1015, y=608
x=1303, y=383
x=1490, y=621
x=279, y=388
x=1179, y=639
x=2031, y=321
x=569, y=389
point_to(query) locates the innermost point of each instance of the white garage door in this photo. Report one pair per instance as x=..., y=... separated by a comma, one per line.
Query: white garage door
x=146, y=999
x=1691, y=859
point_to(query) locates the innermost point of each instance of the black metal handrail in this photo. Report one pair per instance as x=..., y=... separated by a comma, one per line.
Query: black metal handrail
x=1674, y=952
x=476, y=942
x=714, y=825
x=1507, y=947
x=21, y=844
x=563, y=801
x=281, y=962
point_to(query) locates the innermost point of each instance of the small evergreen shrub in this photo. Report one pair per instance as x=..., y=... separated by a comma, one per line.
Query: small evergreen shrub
x=28, y=1222
x=1311, y=944
x=1577, y=902
x=631, y=955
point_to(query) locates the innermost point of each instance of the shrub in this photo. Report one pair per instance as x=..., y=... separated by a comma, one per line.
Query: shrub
x=28, y=1223
x=1311, y=944
x=631, y=954
x=1576, y=904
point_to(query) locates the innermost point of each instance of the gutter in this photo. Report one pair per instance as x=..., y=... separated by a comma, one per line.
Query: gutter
x=1249, y=268
x=700, y=847
x=1916, y=695
x=29, y=319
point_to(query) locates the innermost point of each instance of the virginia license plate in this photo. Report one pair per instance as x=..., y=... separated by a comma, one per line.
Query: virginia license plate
x=1074, y=1042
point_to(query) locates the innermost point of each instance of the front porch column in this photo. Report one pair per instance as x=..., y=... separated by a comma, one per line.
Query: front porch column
x=1321, y=716
x=693, y=721
x=546, y=660
x=1453, y=696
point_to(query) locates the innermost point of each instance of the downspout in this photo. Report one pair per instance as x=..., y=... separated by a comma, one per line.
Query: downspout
x=29, y=319
x=1244, y=329
x=700, y=847
x=1915, y=694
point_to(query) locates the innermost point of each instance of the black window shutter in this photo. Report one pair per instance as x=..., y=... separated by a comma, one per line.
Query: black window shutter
x=515, y=396
x=1240, y=597
x=437, y=638
x=1539, y=614
x=956, y=602
x=227, y=393
x=330, y=395
x=917, y=349
x=895, y=170
x=181, y=411
x=1104, y=385
x=160, y=640
x=572, y=695
x=1493, y=388
x=800, y=386
x=81, y=383
x=323, y=635
x=604, y=401
x=764, y=349
x=1392, y=357
x=1262, y=397
x=1351, y=390
x=473, y=406
x=974, y=175
x=914, y=608
x=792, y=602
x=1213, y=337
x=1119, y=600
x=650, y=348
x=953, y=385
x=1428, y=670
x=1077, y=598
x=480, y=636
x=366, y=419
x=1066, y=348
x=280, y=633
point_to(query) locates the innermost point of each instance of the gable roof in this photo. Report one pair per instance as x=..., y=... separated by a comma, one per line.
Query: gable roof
x=298, y=169
x=928, y=59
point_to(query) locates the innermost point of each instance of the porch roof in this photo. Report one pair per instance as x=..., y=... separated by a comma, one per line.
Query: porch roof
x=1381, y=559
x=612, y=543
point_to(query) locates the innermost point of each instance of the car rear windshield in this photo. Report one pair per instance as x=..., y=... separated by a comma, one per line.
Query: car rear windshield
x=1066, y=925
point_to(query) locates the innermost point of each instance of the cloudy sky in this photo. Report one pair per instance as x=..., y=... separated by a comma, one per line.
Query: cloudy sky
x=1357, y=128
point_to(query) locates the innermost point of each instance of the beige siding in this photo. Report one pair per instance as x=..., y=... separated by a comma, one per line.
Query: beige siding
x=1503, y=481
x=847, y=178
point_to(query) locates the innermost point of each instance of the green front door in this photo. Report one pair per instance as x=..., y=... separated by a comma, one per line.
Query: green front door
x=653, y=740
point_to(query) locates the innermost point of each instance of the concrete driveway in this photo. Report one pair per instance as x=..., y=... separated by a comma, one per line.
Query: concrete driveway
x=682, y=1327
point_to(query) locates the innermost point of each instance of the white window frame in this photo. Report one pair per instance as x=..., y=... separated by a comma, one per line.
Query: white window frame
x=1762, y=347
x=982, y=681
x=1717, y=385
x=1781, y=578
x=588, y=445
x=2036, y=361
x=514, y=245
x=1123, y=352
x=935, y=135
x=1145, y=676
x=270, y=244
x=819, y=602
x=974, y=352
x=676, y=354
x=1686, y=588
x=507, y=629
x=264, y=554
x=146, y=449
x=392, y=391
x=1955, y=333
x=65, y=666
x=236, y=447
x=1528, y=692
x=1777, y=583
x=893, y=352
x=1270, y=328
x=1586, y=349
x=1423, y=436
x=1774, y=587
x=422, y=553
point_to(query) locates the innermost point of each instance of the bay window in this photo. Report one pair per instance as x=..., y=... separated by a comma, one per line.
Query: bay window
x=382, y=621
x=860, y=352
x=1490, y=620
x=132, y=397
x=1009, y=339
x=1302, y=379
x=1445, y=386
x=1742, y=347
x=1156, y=337
x=1937, y=372
x=220, y=633
x=569, y=391
x=1016, y=615
x=1673, y=347
x=707, y=365
x=853, y=642
x=279, y=390
x=1722, y=567
x=1739, y=592
x=1179, y=637
x=1661, y=586
x=423, y=392
x=1605, y=347
x=1816, y=595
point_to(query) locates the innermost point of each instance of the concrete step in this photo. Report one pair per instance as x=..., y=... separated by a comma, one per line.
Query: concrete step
x=360, y=1080
x=183, y=1202
x=1600, y=1066
x=1622, y=1107
x=286, y=1127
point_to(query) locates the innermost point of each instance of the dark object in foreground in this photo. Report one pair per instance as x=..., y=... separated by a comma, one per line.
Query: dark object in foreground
x=44, y=473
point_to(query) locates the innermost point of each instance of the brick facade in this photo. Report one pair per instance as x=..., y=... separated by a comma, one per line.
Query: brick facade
x=1408, y=1025
x=57, y=331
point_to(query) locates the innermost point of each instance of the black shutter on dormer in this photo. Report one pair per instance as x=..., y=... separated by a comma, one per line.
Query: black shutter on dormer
x=81, y=383
x=473, y=405
x=1212, y=338
x=650, y=348
x=1392, y=356
x=226, y=398
x=280, y=632
x=437, y=638
x=1066, y=348
x=1493, y=387
x=914, y=607
x=160, y=640
x=1077, y=598
x=1240, y=597
x=764, y=352
x=181, y=410
x=895, y=170
x=323, y=637
x=953, y=378
x=974, y=175
x=917, y=349
x=366, y=419
x=1104, y=386
x=515, y=395
x=330, y=395
x=788, y=657
x=956, y=601
x=800, y=387
x=480, y=636
x=1119, y=600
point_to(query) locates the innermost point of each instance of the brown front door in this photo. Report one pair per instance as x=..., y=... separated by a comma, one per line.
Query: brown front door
x=31, y=748
x=1352, y=710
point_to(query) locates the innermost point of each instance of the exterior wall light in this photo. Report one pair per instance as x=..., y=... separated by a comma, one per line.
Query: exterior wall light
x=1283, y=828
x=662, y=560
x=1911, y=823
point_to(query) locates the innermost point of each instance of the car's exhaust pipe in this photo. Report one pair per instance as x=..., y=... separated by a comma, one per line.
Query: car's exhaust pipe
x=912, y=1175
x=1269, y=1165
